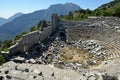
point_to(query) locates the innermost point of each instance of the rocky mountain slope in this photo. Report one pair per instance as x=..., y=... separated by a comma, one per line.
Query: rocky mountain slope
x=109, y=5
x=26, y=21
x=3, y=21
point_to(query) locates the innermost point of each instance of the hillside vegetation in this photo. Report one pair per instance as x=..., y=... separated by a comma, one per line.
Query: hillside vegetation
x=109, y=9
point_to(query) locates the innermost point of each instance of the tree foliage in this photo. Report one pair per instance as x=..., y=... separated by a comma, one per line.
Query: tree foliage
x=2, y=60
x=6, y=45
x=117, y=10
x=77, y=15
x=110, y=9
x=20, y=36
x=34, y=28
x=40, y=26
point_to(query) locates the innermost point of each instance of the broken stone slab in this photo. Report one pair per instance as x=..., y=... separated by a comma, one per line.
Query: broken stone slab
x=92, y=78
x=9, y=77
x=9, y=64
x=49, y=78
x=21, y=68
x=118, y=77
x=36, y=71
x=19, y=59
x=39, y=78
x=83, y=78
x=32, y=61
x=2, y=77
x=118, y=30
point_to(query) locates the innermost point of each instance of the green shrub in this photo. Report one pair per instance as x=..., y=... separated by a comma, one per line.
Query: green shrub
x=110, y=9
x=18, y=37
x=117, y=10
x=2, y=60
x=6, y=45
x=5, y=49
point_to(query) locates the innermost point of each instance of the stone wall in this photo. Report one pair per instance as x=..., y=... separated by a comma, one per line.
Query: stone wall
x=45, y=33
x=55, y=22
x=75, y=33
x=101, y=28
x=26, y=42
x=73, y=23
x=32, y=38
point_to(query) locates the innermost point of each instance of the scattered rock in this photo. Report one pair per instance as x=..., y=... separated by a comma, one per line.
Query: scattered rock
x=26, y=70
x=6, y=72
x=19, y=59
x=92, y=78
x=53, y=74
x=1, y=77
x=8, y=77
x=32, y=61
x=108, y=77
x=40, y=74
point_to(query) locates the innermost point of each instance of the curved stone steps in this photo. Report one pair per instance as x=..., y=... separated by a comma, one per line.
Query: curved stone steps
x=117, y=53
x=113, y=52
x=110, y=41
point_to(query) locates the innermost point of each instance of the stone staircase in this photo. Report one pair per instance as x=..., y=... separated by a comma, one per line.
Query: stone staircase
x=103, y=29
x=113, y=52
x=112, y=48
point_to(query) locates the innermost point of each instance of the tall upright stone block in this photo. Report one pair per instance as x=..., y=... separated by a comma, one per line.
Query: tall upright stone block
x=55, y=22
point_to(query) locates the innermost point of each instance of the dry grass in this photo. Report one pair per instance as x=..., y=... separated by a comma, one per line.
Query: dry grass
x=74, y=54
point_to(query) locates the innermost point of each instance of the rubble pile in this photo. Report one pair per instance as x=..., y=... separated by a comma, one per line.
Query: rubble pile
x=92, y=46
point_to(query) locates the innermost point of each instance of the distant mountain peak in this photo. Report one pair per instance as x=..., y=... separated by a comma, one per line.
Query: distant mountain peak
x=70, y=4
x=25, y=21
x=19, y=13
x=2, y=18
x=15, y=16
x=4, y=21
x=65, y=4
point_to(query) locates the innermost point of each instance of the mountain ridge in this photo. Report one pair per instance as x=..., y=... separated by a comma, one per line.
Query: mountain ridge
x=4, y=21
x=26, y=21
x=109, y=5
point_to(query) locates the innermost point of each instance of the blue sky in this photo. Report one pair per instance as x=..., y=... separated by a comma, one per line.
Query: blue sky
x=10, y=7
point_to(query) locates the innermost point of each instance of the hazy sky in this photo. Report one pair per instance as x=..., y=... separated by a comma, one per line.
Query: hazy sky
x=10, y=7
